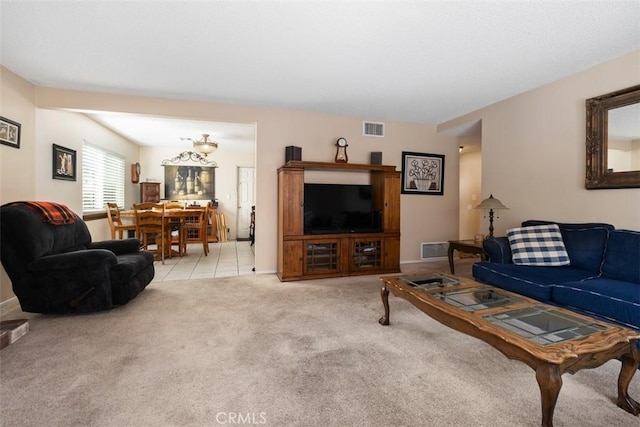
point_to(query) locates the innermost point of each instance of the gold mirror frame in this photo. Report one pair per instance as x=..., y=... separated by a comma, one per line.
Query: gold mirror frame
x=597, y=176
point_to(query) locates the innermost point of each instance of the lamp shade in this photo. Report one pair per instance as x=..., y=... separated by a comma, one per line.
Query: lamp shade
x=491, y=203
x=205, y=145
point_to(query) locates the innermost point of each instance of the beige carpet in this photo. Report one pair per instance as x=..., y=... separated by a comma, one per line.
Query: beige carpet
x=253, y=350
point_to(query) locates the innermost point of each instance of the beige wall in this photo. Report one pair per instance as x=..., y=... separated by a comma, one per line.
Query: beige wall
x=17, y=166
x=225, y=176
x=316, y=134
x=470, y=187
x=533, y=151
x=70, y=129
x=275, y=129
x=533, y=155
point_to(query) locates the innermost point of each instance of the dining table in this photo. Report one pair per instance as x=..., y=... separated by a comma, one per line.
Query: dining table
x=175, y=217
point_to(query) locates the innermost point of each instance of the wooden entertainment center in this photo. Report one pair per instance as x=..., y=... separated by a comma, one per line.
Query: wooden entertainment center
x=313, y=256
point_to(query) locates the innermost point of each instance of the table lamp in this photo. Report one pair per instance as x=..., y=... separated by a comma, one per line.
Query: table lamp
x=491, y=203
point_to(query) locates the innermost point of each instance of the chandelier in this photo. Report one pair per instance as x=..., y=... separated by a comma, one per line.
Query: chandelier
x=205, y=145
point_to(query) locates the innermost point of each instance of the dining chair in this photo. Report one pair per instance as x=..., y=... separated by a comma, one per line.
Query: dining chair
x=173, y=205
x=177, y=227
x=199, y=223
x=205, y=226
x=115, y=222
x=151, y=223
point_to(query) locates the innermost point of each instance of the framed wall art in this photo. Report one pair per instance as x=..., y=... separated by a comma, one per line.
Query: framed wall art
x=189, y=182
x=422, y=173
x=9, y=133
x=64, y=163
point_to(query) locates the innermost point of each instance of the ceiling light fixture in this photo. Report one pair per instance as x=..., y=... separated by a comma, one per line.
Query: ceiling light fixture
x=205, y=145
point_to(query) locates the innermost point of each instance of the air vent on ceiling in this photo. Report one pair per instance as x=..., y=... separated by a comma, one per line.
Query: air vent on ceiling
x=430, y=250
x=373, y=129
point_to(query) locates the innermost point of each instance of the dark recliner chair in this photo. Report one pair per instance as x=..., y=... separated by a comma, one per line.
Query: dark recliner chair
x=57, y=269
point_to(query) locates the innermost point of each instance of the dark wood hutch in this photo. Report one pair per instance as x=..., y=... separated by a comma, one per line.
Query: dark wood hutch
x=304, y=256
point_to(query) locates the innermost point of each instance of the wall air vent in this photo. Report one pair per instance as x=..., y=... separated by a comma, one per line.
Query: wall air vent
x=373, y=129
x=431, y=250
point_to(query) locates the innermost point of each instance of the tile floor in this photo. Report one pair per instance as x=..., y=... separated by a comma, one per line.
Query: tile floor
x=236, y=258
x=233, y=258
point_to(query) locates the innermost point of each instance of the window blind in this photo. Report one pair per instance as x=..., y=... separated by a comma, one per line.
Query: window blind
x=102, y=178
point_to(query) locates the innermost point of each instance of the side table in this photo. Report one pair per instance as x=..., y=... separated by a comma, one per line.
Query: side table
x=467, y=246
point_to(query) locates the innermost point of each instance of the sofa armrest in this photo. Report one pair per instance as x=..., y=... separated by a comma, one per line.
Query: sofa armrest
x=118, y=247
x=497, y=250
x=91, y=258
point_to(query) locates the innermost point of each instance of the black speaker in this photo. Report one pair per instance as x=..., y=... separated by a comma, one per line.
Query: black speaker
x=292, y=153
x=376, y=157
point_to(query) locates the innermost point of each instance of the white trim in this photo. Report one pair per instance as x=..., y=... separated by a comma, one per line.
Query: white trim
x=9, y=306
x=420, y=261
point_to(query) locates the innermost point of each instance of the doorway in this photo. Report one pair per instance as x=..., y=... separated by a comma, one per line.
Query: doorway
x=470, y=179
x=246, y=200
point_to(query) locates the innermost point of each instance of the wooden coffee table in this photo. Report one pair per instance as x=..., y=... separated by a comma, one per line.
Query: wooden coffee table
x=548, y=339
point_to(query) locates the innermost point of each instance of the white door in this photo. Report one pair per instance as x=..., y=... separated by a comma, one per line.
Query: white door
x=246, y=199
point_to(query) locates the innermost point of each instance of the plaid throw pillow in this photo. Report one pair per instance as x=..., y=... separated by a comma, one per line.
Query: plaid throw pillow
x=540, y=245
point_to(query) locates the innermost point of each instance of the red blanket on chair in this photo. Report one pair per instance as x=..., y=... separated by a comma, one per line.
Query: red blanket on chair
x=53, y=213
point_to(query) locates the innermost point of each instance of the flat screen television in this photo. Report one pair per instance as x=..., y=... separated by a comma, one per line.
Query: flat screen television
x=339, y=208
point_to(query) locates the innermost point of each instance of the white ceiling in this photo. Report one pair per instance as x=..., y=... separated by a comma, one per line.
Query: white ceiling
x=416, y=61
x=177, y=133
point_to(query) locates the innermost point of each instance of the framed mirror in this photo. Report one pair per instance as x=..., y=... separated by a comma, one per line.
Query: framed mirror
x=613, y=140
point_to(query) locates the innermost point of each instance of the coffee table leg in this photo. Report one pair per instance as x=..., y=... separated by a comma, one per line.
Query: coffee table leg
x=629, y=367
x=384, y=294
x=550, y=382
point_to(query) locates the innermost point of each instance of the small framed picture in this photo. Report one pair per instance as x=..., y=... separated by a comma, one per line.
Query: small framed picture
x=422, y=173
x=9, y=133
x=64, y=163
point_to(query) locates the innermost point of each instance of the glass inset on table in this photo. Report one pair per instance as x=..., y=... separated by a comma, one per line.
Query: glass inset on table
x=475, y=299
x=430, y=281
x=544, y=325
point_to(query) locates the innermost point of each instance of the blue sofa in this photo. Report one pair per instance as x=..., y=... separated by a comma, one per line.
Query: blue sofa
x=602, y=279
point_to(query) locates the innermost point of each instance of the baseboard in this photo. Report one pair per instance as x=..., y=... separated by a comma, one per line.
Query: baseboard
x=9, y=306
x=420, y=261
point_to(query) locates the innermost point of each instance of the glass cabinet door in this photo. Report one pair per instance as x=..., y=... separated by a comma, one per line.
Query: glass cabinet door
x=366, y=254
x=322, y=256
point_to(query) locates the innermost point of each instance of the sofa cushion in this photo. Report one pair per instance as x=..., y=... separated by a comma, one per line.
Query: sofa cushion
x=584, y=242
x=585, y=247
x=622, y=256
x=539, y=245
x=130, y=275
x=612, y=299
x=530, y=281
